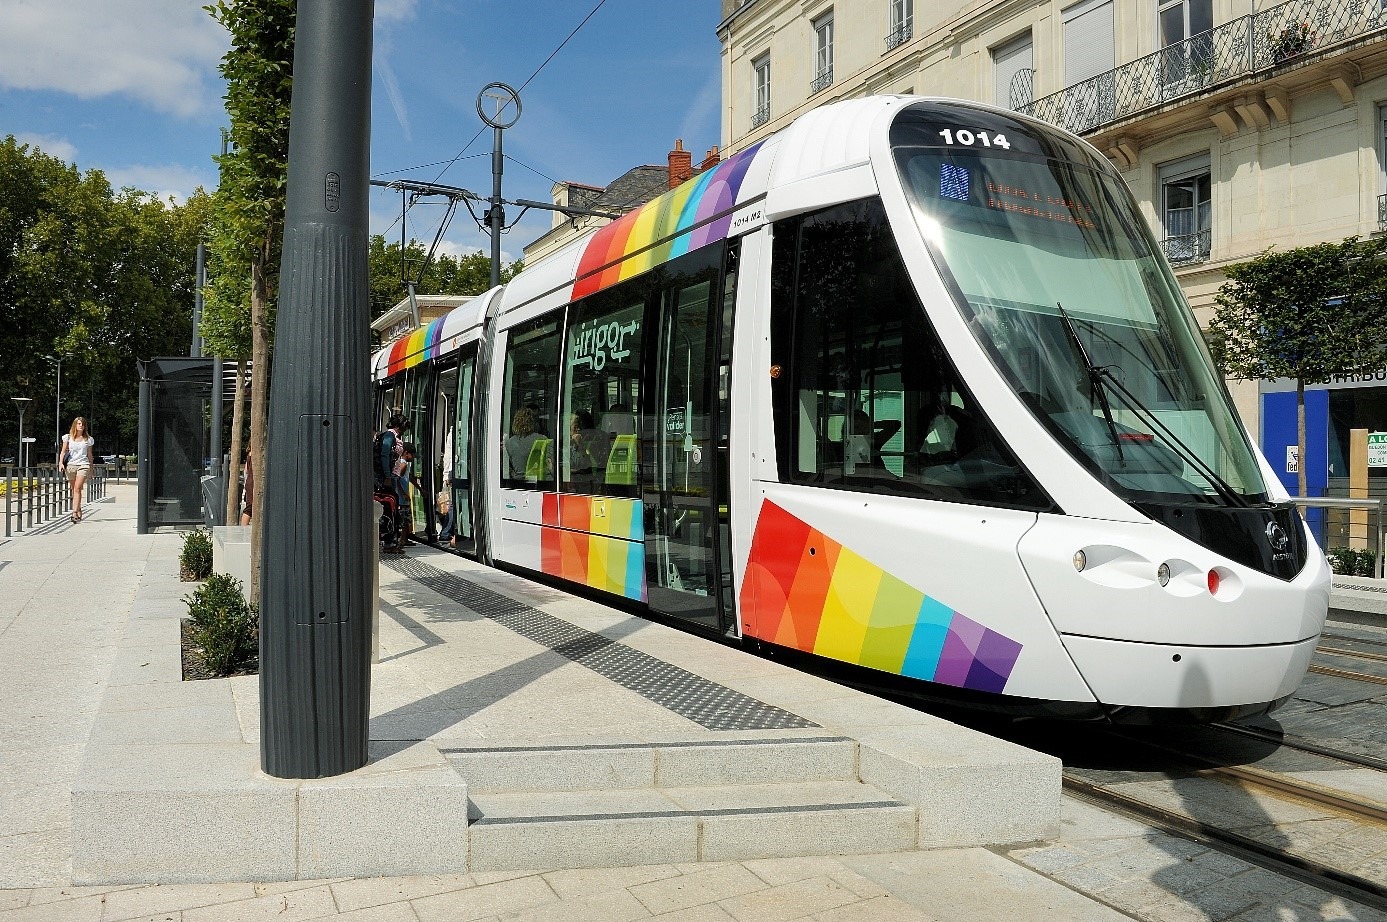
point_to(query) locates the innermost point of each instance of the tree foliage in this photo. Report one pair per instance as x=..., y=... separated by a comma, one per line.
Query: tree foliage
x=468, y=274
x=97, y=277
x=1305, y=314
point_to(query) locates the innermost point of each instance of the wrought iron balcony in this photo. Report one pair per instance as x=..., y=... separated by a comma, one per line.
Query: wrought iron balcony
x=1276, y=37
x=1185, y=249
x=760, y=116
x=1382, y=212
x=822, y=81
x=899, y=36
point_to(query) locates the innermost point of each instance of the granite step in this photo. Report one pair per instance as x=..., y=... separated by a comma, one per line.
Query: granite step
x=629, y=764
x=543, y=830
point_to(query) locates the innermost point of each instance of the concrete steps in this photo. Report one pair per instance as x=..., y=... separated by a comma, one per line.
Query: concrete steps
x=542, y=806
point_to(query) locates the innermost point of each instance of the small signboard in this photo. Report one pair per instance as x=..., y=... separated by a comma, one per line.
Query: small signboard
x=1292, y=459
x=1377, y=449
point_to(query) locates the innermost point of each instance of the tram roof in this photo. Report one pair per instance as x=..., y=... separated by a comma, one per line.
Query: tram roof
x=431, y=341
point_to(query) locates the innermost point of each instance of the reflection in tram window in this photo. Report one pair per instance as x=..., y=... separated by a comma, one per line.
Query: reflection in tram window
x=528, y=402
x=599, y=453
x=872, y=401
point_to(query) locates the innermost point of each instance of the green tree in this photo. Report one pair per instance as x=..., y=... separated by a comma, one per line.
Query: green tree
x=94, y=277
x=249, y=213
x=469, y=274
x=1306, y=314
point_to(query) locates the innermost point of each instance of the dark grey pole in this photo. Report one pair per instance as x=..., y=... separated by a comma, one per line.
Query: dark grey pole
x=497, y=214
x=142, y=455
x=215, y=449
x=196, y=350
x=316, y=554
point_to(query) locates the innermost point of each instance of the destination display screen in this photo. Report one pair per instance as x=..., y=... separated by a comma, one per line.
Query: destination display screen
x=960, y=184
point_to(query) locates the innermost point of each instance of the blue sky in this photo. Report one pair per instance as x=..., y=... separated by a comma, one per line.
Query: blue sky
x=130, y=87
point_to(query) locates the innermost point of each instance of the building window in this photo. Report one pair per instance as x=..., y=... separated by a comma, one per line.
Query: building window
x=823, y=53
x=1185, y=210
x=1187, y=42
x=1013, y=73
x=1088, y=65
x=1382, y=166
x=761, y=68
x=902, y=23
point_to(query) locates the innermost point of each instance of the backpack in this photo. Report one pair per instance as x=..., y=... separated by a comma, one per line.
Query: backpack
x=382, y=455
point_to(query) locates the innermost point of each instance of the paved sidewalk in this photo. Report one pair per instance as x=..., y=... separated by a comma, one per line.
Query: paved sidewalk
x=66, y=595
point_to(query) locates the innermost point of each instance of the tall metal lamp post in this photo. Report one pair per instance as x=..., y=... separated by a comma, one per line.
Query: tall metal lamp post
x=58, y=403
x=501, y=97
x=22, y=405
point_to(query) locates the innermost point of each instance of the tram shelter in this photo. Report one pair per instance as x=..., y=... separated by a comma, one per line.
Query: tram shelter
x=175, y=444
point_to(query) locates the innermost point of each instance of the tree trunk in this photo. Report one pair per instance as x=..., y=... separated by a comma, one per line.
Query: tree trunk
x=1300, y=434
x=259, y=404
x=233, y=471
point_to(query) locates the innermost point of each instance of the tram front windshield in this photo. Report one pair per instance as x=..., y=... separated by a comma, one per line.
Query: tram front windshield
x=1063, y=284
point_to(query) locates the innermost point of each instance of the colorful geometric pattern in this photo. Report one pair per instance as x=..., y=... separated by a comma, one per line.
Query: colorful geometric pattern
x=692, y=215
x=596, y=541
x=806, y=591
x=417, y=347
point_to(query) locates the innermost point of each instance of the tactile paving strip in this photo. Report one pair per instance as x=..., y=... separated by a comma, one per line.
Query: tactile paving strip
x=691, y=696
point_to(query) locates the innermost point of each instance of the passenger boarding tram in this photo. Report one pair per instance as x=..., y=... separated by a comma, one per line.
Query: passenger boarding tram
x=908, y=386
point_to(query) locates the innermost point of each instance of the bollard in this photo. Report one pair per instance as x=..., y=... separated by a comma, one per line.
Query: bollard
x=9, y=498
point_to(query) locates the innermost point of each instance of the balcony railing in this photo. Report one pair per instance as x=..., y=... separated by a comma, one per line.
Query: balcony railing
x=760, y=116
x=1185, y=249
x=898, y=36
x=822, y=81
x=1382, y=212
x=1272, y=38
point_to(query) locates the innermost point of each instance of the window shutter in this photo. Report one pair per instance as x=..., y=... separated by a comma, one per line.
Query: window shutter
x=1088, y=40
x=1007, y=61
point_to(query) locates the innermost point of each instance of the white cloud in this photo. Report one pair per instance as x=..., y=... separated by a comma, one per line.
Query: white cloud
x=170, y=181
x=61, y=148
x=454, y=249
x=161, y=52
x=395, y=10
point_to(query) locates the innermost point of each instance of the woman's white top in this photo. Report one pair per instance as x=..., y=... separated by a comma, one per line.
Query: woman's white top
x=78, y=450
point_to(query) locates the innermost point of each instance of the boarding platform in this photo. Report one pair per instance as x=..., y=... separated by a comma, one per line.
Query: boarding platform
x=516, y=727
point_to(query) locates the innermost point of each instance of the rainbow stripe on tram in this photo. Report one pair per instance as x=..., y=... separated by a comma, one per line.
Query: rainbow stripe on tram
x=806, y=591
x=418, y=347
x=596, y=541
x=695, y=214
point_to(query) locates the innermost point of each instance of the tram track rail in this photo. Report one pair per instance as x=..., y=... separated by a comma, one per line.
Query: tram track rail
x=1313, y=873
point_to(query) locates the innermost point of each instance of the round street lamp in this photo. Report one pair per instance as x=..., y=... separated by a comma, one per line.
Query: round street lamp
x=22, y=405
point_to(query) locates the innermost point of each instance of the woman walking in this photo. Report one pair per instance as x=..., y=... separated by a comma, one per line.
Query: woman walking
x=75, y=460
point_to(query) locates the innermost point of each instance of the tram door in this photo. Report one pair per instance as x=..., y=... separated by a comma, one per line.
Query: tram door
x=460, y=480
x=684, y=497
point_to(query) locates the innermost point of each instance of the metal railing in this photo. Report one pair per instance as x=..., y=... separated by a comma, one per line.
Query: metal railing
x=39, y=494
x=1382, y=212
x=760, y=116
x=822, y=81
x=1184, y=249
x=1335, y=527
x=1273, y=38
x=898, y=36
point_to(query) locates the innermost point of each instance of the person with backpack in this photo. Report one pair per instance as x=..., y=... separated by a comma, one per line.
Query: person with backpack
x=387, y=456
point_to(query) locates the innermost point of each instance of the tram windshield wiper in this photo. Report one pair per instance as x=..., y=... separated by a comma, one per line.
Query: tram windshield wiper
x=1101, y=380
x=1095, y=382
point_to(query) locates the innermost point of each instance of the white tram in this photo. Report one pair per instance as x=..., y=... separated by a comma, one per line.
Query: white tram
x=908, y=386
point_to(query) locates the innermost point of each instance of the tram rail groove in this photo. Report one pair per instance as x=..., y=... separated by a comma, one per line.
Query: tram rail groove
x=1346, y=674
x=1356, y=654
x=1302, y=744
x=1280, y=782
x=1339, y=883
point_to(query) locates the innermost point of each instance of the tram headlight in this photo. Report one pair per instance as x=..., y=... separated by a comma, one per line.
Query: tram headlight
x=1080, y=561
x=1163, y=574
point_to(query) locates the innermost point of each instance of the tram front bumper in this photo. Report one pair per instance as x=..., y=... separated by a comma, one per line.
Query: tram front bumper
x=1151, y=675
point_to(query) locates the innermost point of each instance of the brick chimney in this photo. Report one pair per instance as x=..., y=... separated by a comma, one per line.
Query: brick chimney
x=712, y=159
x=680, y=164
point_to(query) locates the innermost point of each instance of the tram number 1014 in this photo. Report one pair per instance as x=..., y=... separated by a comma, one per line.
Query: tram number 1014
x=969, y=138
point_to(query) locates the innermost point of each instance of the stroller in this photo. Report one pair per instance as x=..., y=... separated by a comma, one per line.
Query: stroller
x=389, y=523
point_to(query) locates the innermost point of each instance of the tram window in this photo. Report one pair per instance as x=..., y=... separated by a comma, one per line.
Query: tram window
x=528, y=401
x=599, y=449
x=872, y=402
